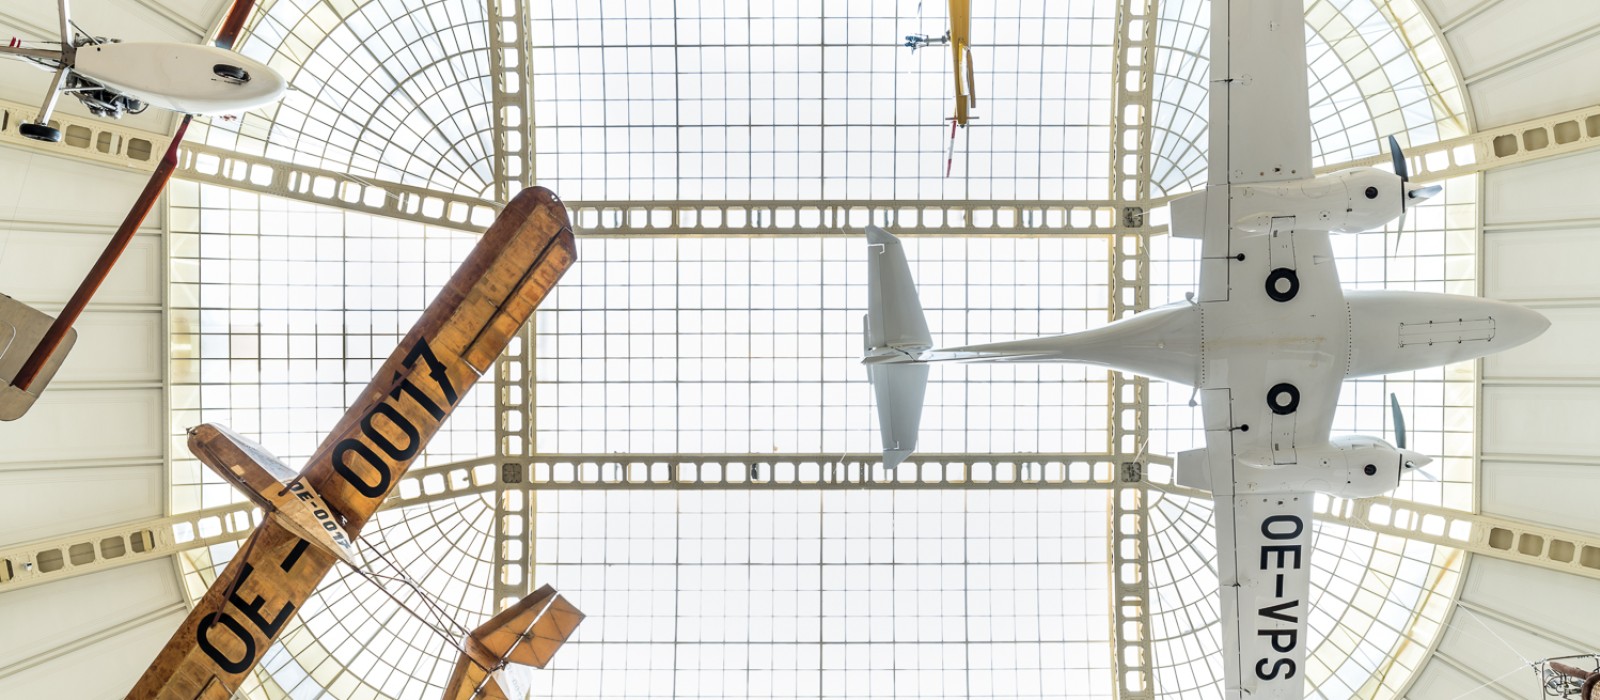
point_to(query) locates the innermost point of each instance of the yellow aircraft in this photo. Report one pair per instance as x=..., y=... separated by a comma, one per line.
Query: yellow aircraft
x=313, y=519
x=959, y=38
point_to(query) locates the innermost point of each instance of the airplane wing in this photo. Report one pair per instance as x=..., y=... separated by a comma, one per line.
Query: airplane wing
x=468, y=325
x=1260, y=111
x=1274, y=345
x=1263, y=562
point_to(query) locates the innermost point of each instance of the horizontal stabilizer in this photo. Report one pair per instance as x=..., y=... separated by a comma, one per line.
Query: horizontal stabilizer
x=895, y=337
x=900, y=389
x=528, y=633
x=21, y=329
x=263, y=478
x=895, y=325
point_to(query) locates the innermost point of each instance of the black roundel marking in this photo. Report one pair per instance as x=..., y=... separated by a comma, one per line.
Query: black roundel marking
x=1370, y=469
x=1372, y=193
x=1283, y=284
x=1283, y=398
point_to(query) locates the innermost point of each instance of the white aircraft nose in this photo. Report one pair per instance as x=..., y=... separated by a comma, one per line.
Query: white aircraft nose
x=1515, y=325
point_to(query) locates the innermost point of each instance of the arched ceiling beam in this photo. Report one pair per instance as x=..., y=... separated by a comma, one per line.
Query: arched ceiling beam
x=58, y=558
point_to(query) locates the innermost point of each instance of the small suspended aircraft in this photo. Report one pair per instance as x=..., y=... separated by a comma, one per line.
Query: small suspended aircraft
x=959, y=39
x=313, y=519
x=1266, y=342
x=112, y=78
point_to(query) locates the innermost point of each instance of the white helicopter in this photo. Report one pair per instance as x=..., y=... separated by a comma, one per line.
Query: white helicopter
x=1266, y=342
x=113, y=78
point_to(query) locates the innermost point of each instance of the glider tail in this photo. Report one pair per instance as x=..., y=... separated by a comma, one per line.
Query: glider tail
x=528, y=633
x=896, y=335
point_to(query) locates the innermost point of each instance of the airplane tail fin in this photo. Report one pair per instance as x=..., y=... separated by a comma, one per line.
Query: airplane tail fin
x=896, y=334
x=527, y=633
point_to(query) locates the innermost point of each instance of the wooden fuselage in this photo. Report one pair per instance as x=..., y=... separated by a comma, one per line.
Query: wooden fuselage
x=458, y=338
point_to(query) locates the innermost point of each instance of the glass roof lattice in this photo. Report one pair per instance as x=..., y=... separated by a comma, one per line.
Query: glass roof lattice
x=746, y=345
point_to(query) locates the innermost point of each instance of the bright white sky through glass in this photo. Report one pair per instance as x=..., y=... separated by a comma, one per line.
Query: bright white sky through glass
x=748, y=345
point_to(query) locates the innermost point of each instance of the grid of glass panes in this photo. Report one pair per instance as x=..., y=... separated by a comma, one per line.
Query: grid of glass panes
x=387, y=89
x=1368, y=79
x=708, y=99
x=280, y=313
x=751, y=345
x=789, y=594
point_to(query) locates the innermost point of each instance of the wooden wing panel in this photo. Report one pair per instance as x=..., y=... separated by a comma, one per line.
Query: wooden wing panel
x=225, y=635
x=515, y=265
x=512, y=268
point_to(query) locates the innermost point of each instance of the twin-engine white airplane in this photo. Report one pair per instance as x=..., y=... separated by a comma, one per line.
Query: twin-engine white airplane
x=1266, y=342
x=113, y=78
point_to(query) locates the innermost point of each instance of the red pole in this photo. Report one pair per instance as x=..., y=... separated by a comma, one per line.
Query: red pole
x=233, y=25
x=102, y=267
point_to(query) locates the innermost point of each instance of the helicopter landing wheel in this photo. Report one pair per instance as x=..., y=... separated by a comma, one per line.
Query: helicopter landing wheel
x=39, y=132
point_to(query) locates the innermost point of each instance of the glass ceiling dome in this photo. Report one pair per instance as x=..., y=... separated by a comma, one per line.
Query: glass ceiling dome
x=719, y=350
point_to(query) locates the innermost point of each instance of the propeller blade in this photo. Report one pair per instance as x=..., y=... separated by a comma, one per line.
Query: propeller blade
x=1399, y=158
x=1424, y=193
x=1399, y=422
x=1426, y=474
x=1399, y=236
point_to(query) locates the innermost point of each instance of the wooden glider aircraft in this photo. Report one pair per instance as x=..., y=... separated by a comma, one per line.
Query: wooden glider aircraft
x=313, y=519
x=1266, y=342
x=113, y=78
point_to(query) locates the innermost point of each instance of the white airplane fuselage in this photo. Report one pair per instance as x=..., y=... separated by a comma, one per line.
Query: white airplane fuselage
x=1364, y=333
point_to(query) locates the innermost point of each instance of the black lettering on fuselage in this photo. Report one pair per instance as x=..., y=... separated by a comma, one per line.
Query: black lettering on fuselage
x=294, y=555
x=253, y=612
x=377, y=487
x=223, y=662
x=1277, y=667
x=1280, y=557
x=375, y=477
x=252, y=608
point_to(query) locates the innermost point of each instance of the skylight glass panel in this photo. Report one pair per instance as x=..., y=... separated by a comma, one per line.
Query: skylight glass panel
x=397, y=91
x=749, y=345
x=1371, y=75
x=281, y=312
x=713, y=100
x=717, y=345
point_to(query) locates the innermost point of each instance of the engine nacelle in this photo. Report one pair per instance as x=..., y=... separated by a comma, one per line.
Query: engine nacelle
x=1353, y=466
x=1348, y=201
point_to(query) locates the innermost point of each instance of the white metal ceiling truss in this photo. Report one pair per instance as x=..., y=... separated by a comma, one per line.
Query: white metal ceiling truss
x=106, y=143
x=60, y=558
x=1133, y=56
x=509, y=56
